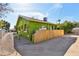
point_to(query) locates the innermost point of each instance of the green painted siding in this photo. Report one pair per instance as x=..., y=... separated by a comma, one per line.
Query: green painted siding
x=27, y=28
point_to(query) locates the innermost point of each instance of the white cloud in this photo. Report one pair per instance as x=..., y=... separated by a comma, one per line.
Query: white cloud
x=23, y=4
x=37, y=15
x=27, y=10
x=20, y=7
x=58, y=5
x=55, y=7
x=68, y=18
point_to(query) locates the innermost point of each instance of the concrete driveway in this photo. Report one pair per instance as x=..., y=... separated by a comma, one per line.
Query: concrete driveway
x=53, y=47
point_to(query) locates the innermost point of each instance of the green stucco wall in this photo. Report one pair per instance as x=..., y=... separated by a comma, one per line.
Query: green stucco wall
x=27, y=28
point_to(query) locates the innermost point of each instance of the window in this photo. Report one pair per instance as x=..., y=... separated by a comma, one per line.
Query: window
x=25, y=28
x=43, y=28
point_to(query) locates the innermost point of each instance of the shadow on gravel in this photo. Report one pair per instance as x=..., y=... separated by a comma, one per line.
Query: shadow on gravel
x=53, y=47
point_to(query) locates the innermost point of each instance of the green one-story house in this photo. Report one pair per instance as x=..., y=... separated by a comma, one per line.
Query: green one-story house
x=27, y=26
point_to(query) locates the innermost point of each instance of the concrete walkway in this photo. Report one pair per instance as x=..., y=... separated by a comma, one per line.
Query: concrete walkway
x=7, y=45
x=53, y=47
x=74, y=49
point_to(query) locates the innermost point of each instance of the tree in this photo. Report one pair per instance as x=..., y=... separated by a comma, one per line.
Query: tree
x=4, y=25
x=4, y=8
x=7, y=25
x=58, y=25
x=76, y=24
x=59, y=20
x=68, y=26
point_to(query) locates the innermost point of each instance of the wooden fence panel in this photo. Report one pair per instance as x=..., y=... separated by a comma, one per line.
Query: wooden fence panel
x=46, y=35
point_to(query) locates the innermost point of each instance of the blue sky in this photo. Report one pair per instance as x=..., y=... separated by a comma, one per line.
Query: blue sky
x=53, y=11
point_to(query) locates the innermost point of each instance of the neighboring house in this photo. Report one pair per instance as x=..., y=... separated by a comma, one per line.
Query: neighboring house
x=27, y=26
x=75, y=30
x=12, y=30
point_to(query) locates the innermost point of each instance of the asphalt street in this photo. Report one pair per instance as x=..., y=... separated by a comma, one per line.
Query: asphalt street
x=53, y=47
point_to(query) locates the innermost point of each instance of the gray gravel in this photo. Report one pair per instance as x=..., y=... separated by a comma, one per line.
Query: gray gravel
x=53, y=47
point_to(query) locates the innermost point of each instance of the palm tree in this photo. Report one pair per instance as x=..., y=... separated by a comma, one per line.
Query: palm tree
x=59, y=20
x=58, y=25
